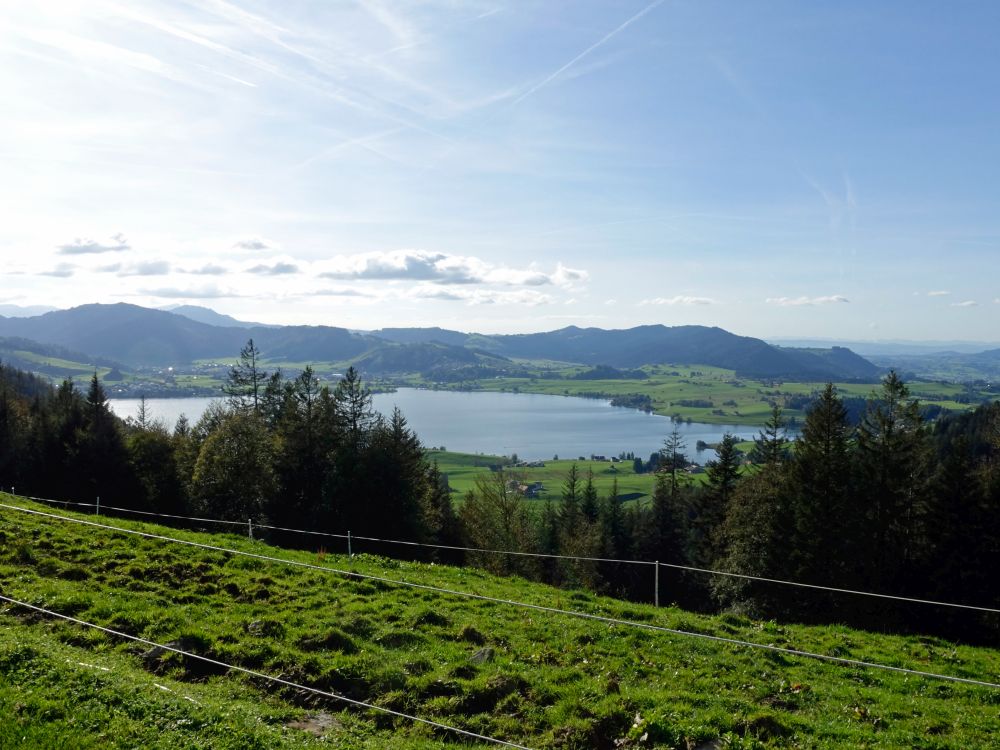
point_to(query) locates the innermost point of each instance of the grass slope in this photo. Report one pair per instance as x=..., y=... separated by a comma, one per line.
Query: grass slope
x=546, y=680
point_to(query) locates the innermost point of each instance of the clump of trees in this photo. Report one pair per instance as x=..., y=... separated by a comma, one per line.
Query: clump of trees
x=288, y=452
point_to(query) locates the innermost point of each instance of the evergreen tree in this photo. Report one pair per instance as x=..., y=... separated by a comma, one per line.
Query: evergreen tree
x=103, y=458
x=349, y=422
x=589, y=506
x=247, y=380
x=393, y=462
x=892, y=462
x=302, y=456
x=665, y=537
x=673, y=463
x=712, y=502
x=771, y=443
x=548, y=541
x=614, y=537
x=819, y=546
x=439, y=520
x=354, y=408
x=754, y=533
x=569, y=509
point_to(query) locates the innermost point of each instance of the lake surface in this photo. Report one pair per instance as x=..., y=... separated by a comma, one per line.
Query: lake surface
x=533, y=426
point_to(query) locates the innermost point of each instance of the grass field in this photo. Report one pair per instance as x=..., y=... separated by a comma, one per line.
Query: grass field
x=542, y=679
x=463, y=468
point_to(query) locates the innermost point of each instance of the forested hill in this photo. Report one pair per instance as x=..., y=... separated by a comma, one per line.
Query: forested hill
x=656, y=344
x=140, y=336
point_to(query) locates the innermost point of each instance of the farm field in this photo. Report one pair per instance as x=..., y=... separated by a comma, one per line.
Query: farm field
x=540, y=679
x=463, y=468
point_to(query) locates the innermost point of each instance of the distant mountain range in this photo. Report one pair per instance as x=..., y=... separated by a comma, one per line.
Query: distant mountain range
x=893, y=347
x=141, y=336
x=655, y=344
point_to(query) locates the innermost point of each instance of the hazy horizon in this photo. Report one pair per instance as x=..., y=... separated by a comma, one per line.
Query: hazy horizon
x=781, y=171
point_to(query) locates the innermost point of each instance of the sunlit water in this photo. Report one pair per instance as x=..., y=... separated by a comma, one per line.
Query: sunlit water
x=533, y=426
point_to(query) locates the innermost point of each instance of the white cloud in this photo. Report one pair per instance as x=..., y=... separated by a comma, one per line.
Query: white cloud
x=204, y=292
x=148, y=268
x=209, y=269
x=252, y=243
x=62, y=271
x=89, y=247
x=525, y=297
x=965, y=303
x=804, y=301
x=566, y=276
x=442, y=268
x=938, y=293
x=680, y=299
x=278, y=268
x=338, y=293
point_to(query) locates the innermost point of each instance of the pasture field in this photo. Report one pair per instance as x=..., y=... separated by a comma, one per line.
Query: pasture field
x=538, y=678
x=463, y=468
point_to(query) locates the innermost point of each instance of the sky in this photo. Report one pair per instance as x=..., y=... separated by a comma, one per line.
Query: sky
x=779, y=169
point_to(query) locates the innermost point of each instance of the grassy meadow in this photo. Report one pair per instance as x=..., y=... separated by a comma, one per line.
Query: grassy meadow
x=541, y=679
x=462, y=469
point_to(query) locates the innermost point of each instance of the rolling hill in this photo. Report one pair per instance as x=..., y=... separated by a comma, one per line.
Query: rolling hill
x=140, y=336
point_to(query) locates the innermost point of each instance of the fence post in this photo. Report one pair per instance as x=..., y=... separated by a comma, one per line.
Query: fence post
x=349, y=553
x=250, y=528
x=98, y=511
x=656, y=585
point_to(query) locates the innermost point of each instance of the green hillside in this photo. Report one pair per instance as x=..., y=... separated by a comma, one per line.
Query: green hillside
x=540, y=679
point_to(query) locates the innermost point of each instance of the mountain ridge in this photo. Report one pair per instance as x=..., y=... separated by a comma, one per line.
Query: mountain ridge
x=142, y=336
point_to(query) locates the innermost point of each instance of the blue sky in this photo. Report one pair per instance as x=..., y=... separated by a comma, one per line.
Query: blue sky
x=774, y=168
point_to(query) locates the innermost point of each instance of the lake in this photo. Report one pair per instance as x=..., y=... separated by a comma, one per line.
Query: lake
x=533, y=426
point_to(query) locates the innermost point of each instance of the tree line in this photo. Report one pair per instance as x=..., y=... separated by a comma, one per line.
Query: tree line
x=893, y=504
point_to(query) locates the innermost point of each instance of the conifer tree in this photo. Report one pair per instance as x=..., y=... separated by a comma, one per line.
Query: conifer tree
x=589, y=507
x=712, y=502
x=771, y=443
x=819, y=547
x=892, y=462
x=247, y=379
x=569, y=509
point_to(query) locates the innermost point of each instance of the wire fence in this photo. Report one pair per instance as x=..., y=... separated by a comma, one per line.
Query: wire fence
x=263, y=676
x=351, y=539
x=787, y=651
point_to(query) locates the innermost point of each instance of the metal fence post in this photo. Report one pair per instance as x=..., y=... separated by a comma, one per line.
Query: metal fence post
x=349, y=553
x=98, y=511
x=250, y=528
x=656, y=585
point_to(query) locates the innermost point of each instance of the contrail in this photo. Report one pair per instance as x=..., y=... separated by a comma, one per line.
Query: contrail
x=591, y=48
